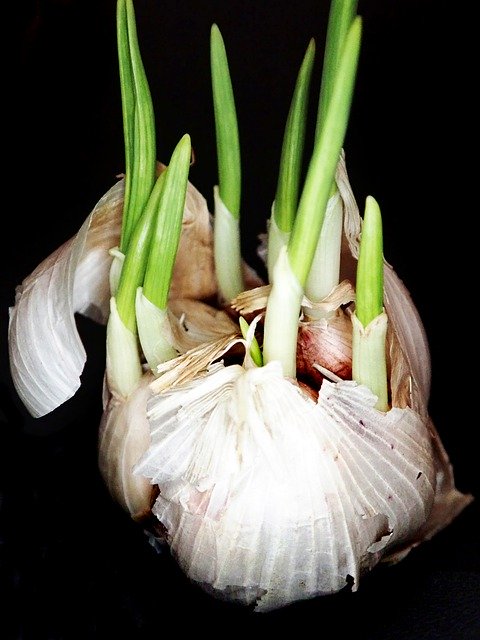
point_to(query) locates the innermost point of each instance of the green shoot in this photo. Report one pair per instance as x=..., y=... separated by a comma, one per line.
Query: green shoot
x=283, y=308
x=369, y=285
x=138, y=122
x=286, y=198
x=341, y=16
x=324, y=273
x=166, y=235
x=369, y=362
x=255, y=351
x=135, y=264
x=321, y=171
x=226, y=240
x=128, y=110
x=226, y=127
x=325, y=270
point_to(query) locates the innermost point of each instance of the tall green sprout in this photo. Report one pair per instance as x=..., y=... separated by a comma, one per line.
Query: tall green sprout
x=227, y=241
x=291, y=163
x=291, y=272
x=138, y=122
x=325, y=270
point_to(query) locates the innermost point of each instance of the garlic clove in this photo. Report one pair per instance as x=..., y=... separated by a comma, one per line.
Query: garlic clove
x=327, y=343
x=123, y=437
x=408, y=360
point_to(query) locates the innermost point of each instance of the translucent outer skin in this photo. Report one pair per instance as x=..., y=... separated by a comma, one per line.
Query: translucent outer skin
x=269, y=497
x=46, y=353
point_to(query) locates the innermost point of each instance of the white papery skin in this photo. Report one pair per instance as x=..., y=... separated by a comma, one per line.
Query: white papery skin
x=45, y=350
x=270, y=498
x=46, y=353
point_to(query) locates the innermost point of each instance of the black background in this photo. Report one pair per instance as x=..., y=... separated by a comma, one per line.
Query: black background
x=73, y=564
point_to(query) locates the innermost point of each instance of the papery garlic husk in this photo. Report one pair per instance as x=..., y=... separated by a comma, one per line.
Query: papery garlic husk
x=46, y=353
x=268, y=496
x=124, y=433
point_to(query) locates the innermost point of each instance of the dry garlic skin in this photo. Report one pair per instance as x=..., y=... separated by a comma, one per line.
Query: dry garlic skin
x=269, y=497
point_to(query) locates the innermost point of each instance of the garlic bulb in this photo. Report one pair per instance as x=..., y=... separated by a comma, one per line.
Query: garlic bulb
x=267, y=489
x=268, y=496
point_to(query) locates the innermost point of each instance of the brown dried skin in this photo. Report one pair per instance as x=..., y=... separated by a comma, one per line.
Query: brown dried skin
x=327, y=343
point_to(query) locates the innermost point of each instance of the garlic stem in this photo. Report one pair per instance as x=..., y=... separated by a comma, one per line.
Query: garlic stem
x=151, y=301
x=227, y=195
x=369, y=366
x=276, y=240
x=286, y=197
x=226, y=250
x=139, y=122
x=321, y=171
x=282, y=316
x=324, y=273
x=311, y=211
x=369, y=281
x=154, y=331
x=369, y=363
x=128, y=109
x=341, y=16
x=135, y=263
x=166, y=232
x=226, y=126
x=123, y=368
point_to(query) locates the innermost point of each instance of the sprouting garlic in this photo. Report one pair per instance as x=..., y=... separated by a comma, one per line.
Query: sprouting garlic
x=268, y=496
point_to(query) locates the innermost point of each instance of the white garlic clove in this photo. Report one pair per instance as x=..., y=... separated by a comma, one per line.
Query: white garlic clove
x=408, y=360
x=124, y=436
